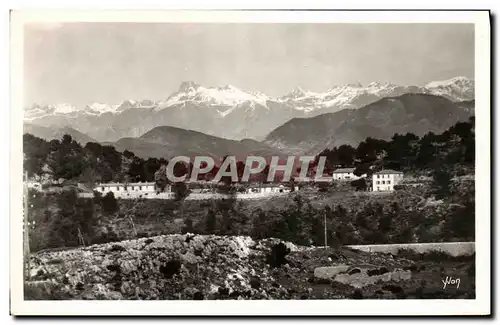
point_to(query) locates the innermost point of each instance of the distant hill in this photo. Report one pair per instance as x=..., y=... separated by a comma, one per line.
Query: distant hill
x=414, y=113
x=168, y=141
x=468, y=105
x=50, y=133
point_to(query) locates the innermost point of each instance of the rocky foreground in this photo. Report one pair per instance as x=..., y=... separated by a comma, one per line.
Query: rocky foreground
x=221, y=267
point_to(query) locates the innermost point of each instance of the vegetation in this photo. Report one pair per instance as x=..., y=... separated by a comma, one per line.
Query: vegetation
x=409, y=153
x=351, y=218
x=442, y=210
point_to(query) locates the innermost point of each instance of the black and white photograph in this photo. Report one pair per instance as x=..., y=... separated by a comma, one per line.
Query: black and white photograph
x=341, y=158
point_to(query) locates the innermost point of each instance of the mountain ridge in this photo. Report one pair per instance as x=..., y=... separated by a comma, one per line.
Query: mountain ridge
x=413, y=113
x=227, y=111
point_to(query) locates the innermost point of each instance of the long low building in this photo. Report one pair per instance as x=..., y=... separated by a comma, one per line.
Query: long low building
x=132, y=190
x=270, y=188
x=345, y=174
x=121, y=189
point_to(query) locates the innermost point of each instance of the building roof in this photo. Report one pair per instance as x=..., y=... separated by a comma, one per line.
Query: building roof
x=344, y=170
x=388, y=171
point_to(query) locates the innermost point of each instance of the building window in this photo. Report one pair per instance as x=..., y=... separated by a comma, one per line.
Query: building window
x=124, y=188
x=118, y=188
x=140, y=188
x=378, y=176
x=383, y=182
x=388, y=182
x=378, y=188
x=102, y=188
x=378, y=182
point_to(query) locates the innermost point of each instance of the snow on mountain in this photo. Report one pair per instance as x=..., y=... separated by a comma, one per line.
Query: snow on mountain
x=100, y=108
x=227, y=111
x=37, y=111
x=345, y=96
x=457, y=89
x=190, y=92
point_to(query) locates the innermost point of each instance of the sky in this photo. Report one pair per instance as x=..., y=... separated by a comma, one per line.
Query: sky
x=82, y=63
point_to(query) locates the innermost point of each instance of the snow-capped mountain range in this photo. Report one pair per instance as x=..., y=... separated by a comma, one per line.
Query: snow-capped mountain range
x=212, y=109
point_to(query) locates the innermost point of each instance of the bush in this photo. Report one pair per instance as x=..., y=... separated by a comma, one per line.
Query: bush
x=109, y=204
x=278, y=254
x=359, y=184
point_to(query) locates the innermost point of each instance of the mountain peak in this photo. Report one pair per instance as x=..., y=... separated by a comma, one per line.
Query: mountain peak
x=188, y=86
x=296, y=93
x=460, y=80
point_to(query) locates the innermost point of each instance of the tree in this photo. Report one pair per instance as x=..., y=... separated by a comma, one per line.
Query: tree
x=161, y=179
x=346, y=155
x=180, y=190
x=210, y=222
x=128, y=154
x=427, y=151
x=74, y=218
x=151, y=165
x=401, y=151
x=461, y=223
x=88, y=177
x=137, y=170
x=188, y=226
x=369, y=150
x=109, y=204
x=362, y=169
x=359, y=184
x=441, y=182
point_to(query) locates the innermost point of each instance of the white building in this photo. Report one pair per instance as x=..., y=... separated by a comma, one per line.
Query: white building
x=269, y=188
x=385, y=180
x=129, y=189
x=345, y=174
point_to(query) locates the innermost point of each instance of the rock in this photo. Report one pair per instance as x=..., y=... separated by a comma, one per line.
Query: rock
x=359, y=280
x=125, y=288
x=401, y=275
x=213, y=289
x=190, y=291
x=329, y=272
x=37, y=271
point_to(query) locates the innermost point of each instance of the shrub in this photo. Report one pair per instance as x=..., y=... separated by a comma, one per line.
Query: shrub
x=278, y=254
x=109, y=204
